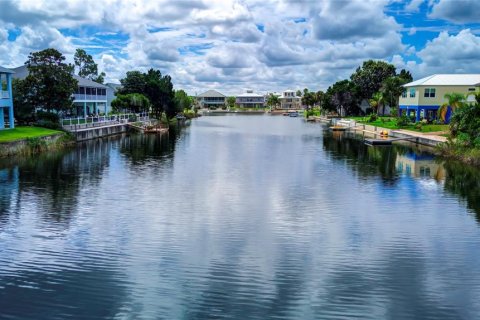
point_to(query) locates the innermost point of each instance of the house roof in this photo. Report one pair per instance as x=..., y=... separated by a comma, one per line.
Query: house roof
x=211, y=94
x=22, y=72
x=250, y=95
x=447, y=80
x=5, y=70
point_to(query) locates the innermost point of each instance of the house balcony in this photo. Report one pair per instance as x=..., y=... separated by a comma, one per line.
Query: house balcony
x=79, y=97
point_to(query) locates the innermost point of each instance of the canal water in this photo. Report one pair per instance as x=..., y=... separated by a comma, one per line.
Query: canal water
x=239, y=217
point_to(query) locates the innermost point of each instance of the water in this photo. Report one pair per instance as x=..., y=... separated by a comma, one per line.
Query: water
x=239, y=217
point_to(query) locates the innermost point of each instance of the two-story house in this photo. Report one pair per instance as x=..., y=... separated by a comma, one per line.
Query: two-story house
x=6, y=98
x=212, y=99
x=90, y=97
x=422, y=98
x=289, y=100
x=249, y=99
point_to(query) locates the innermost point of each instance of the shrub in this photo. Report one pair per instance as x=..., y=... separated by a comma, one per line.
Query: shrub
x=48, y=124
x=372, y=117
x=47, y=116
x=402, y=121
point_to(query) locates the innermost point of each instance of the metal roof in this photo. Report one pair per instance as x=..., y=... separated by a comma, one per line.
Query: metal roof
x=447, y=80
x=22, y=72
x=5, y=70
x=211, y=94
x=250, y=95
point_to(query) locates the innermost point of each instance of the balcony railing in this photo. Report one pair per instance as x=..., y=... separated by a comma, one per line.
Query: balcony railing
x=4, y=95
x=89, y=97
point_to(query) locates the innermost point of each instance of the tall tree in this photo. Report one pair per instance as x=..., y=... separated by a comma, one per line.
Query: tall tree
x=298, y=93
x=50, y=80
x=152, y=88
x=168, y=98
x=24, y=108
x=231, y=102
x=344, y=98
x=370, y=76
x=272, y=100
x=182, y=100
x=134, y=82
x=87, y=68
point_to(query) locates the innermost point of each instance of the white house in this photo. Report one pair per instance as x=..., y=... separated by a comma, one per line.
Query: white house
x=249, y=99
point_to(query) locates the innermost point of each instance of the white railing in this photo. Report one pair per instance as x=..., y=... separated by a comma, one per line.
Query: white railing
x=80, y=123
x=89, y=97
x=4, y=94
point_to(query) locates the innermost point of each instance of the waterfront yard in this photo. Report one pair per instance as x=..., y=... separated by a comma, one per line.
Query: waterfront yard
x=390, y=123
x=20, y=133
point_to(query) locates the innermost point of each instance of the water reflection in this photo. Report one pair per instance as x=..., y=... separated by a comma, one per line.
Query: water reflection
x=241, y=218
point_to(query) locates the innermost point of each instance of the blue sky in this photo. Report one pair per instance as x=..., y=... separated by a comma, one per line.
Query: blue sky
x=232, y=45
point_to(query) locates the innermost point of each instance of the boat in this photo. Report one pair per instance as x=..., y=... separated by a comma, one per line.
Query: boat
x=293, y=113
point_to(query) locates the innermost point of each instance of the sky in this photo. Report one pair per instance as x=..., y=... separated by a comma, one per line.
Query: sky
x=234, y=45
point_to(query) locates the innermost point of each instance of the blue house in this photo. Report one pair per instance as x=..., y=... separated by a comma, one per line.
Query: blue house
x=6, y=98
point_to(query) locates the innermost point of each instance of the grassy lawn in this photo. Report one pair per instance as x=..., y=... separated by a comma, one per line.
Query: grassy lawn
x=389, y=123
x=20, y=133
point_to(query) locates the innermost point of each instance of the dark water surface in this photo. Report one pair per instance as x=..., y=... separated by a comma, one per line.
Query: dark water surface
x=239, y=217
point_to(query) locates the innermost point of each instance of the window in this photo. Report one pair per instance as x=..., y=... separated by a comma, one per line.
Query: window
x=89, y=90
x=429, y=93
x=82, y=90
x=412, y=93
x=404, y=93
x=471, y=89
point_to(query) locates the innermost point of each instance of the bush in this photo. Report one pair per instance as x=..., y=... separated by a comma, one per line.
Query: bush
x=372, y=117
x=402, y=121
x=48, y=124
x=47, y=116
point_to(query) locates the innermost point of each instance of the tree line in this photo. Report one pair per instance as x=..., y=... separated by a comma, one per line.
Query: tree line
x=375, y=81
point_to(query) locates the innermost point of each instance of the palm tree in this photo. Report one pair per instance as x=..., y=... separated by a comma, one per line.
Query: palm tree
x=455, y=101
x=272, y=101
x=376, y=101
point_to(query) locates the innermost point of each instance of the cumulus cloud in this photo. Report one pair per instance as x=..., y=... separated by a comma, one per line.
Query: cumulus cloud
x=270, y=45
x=458, y=11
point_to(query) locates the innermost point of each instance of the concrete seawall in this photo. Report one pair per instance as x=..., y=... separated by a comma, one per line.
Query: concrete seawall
x=99, y=132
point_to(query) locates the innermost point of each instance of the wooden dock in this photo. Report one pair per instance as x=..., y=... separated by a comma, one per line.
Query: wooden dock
x=386, y=141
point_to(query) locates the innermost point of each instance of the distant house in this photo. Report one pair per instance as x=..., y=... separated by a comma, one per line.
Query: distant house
x=288, y=100
x=112, y=89
x=422, y=98
x=89, y=98
x=6, y=98
x=249, y=99
x=212, y=99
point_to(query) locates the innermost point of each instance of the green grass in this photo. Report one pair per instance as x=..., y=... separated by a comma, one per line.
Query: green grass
x=20, y=133
x=389, y=123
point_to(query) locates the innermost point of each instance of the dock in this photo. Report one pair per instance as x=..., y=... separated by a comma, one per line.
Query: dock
x=387, y=141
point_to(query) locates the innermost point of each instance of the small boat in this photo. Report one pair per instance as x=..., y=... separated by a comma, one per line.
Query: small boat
x=293, y=113
x=285, y=114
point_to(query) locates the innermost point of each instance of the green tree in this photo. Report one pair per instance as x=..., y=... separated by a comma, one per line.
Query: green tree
x=132, y=102
x=370, y=77
x=376, y=101
x=343, y=98
x=298, y=93
x=309, y=98
x=168, y=98
x=182, y=100
x=272, y=100
x=134, y=82
x=454, y=101
x=50, y=81
x=465, y=124
x=231, y=102
x=24, y=108
x=87, y=68
x=152, y=88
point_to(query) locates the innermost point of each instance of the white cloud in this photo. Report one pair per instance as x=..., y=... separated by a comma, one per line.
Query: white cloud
x=270, y=45
x=458, y=11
